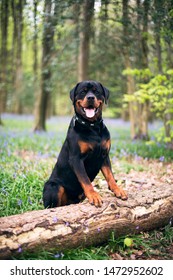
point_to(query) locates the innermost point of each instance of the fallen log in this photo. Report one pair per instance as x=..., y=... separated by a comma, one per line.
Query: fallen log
x=83, y=224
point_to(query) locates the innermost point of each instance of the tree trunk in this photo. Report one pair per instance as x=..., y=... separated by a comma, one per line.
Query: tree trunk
x=127, y=63
x=4, y=55
x=35, y=62
x=144, y=37
x=47, y=47
x=76, y=23
x=143, y=109
x=83, y=224
x=18, y=71
x=102, y=37
x=35, y=43
x=85, y=34
x=158, y=16
x=167, y=125
x=13, y=45
x=142, y=131
x=169, y=55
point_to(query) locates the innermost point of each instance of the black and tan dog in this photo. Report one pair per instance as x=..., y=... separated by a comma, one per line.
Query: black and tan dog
x=84, y=153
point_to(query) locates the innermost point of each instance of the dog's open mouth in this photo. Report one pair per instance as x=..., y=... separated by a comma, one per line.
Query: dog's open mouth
x=90, y=111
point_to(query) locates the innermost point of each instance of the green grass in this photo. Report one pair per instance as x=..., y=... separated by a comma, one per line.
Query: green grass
x=26, y=161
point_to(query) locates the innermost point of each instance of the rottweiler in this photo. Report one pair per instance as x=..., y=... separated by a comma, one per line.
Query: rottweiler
x=84, y=153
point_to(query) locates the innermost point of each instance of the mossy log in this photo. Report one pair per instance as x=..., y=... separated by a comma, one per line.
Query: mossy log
x=83, y=224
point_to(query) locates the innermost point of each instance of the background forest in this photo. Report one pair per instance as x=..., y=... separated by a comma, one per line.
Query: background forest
x=46, y=46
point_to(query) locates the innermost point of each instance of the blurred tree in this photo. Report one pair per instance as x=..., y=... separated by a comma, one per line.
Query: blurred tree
x=168, y=37
x=168, y=32
x=4, y=12
x=47, y=50
x=128, y=64
x=158, y=14
x=159, y=92
x=143, y=108
x=35, y=59
x=35, y=42
x=85, y=35
x=18, y=36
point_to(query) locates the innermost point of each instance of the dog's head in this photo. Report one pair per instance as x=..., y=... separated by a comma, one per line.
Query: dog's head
x=88, y=98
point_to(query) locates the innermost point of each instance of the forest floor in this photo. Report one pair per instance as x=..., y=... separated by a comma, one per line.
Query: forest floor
x=27, y=159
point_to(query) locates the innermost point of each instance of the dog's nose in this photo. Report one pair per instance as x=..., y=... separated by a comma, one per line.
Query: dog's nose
x=90, y=97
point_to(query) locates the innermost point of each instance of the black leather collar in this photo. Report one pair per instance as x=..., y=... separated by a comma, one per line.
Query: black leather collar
x=96, y=124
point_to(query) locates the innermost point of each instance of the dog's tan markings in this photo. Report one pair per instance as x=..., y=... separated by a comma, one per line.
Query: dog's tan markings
x=62, y=197
x=93, y=196
x=120, y=193
x=85, y=146
x=106, y=144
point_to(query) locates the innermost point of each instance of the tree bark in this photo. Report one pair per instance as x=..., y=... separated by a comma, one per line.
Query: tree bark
x=35, y=42
x=85, y=34
x=18, y=71
x=83, y=224
x=4, y=55
x=47, y=50
x=128, y=65
x=158, y=17
x=143, y=109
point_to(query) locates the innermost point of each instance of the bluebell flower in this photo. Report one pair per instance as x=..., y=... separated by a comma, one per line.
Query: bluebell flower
x=55, y=219
x=19, y=250
x=162, y=158
x=4, y=191
x=59, y=255
x=19, y=202
x=29, y=200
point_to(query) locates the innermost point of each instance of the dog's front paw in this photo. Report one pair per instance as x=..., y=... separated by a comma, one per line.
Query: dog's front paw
x=94, y=198
x=120, y=193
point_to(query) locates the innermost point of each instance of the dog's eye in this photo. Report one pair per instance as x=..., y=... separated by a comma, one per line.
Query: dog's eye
x=81, y=94
x=84, y=90
x=97, y=93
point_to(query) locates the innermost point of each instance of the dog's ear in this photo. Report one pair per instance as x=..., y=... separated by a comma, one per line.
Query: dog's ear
x=105, y=92
x=72, y=93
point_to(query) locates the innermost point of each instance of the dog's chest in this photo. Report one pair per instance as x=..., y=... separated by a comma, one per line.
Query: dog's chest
x=94, y=147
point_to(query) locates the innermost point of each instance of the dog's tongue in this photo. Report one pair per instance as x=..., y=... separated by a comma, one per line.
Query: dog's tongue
x=89, y=112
